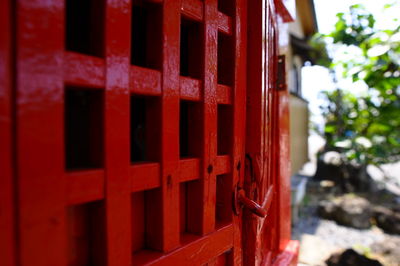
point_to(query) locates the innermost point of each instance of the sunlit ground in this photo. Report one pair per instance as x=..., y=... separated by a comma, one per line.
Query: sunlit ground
x=320, y=238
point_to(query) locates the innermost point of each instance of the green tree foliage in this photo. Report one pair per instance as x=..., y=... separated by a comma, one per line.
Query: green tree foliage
x=364, y=129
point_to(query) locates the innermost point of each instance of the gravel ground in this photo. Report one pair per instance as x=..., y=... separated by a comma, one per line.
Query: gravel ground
x=338, y=236
x=320, y=238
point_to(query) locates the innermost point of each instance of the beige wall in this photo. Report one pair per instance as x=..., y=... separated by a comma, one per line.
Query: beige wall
x=298, y=132
x=303, y=26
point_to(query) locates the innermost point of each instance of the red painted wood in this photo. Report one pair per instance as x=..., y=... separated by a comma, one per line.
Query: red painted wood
x=7, y=198
x=83, y=70
x=284, y=221
x=255, y=123
x=85, y=234
x=192, y=9
x=168, y=238
x=200, y=251
x=220, y=260
x=288, y=255
x=189, y=169
x=190, y=89
x=223, y=164
x=252, y=206
x=224, y=23
x=145, y=176
x=138, y=205
x=85, y=186
x=201, y=216
x=196, y=251
x=269, y=236
x=145, y=81
x=267, y=153
x=239, y=119
x=166, y=208
x=224, y=94
x=275, y=159
x=117, y=139
x=40, y=136
x=286, y=9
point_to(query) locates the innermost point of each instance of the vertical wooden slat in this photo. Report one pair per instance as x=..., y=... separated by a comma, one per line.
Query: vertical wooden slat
x=283, y=197
x=272, y=147
x=255, y=111
x=265, y=240
x=201, y=217
x=268, y=153
x=117, y=151
x=239, y=115
x=281, y=168
x=7, y=226
x=258, y=148
x=209, y=115
x=40, y=142
x=170, y=126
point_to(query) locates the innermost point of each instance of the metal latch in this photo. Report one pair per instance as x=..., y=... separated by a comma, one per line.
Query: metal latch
x=240, y=200
x=281, y=79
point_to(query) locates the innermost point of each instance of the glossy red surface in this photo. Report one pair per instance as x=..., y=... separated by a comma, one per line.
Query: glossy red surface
x=7, y=200
x=199, y=100
x=40, y=136
x=116, y=133
x=288, y=255
x=251, y=205
x=267, y=141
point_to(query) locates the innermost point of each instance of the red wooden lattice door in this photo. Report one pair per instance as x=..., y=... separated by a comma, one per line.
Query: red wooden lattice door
x=262, y=150
x=266, y=180
x=129, y=122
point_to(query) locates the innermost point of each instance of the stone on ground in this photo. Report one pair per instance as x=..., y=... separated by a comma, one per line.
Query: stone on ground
x=387, y=219
x=348, y=210
x=349, y=257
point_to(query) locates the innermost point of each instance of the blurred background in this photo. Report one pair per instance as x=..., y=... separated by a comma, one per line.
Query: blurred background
x=344, y=81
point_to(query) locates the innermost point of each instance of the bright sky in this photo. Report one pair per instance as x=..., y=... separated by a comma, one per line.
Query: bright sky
x=315, y=78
